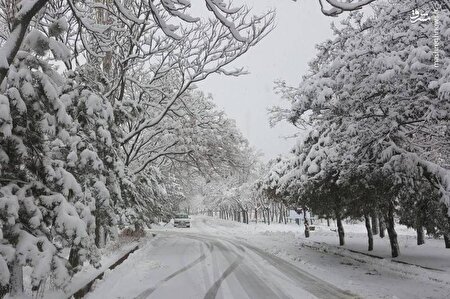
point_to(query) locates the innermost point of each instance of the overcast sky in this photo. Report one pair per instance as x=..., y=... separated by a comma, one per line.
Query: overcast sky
x=283, y=54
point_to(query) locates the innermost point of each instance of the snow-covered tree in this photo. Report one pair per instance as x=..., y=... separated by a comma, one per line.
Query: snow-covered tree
x=69, y=71
x=375, y=101
x=44, y=207
x=365, y=99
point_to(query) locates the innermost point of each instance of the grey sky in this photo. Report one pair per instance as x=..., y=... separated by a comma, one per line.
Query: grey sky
x=283, y=54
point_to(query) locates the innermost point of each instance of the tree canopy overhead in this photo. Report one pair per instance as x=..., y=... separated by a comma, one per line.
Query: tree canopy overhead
x=101, y=122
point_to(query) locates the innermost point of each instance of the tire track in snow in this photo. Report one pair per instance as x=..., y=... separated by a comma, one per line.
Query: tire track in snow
x=211, y=244
x=149, y=291
x=307, y=281
x=212, y=292
x=264, y=286
x=252, y=284
x=297, y=276
x=206, y=276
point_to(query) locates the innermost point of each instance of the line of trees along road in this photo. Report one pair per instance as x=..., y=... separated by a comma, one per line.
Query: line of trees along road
x=375, y=103
x=375, y=108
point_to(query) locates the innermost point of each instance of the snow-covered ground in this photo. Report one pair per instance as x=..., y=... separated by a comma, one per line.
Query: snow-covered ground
x=433, y=254
x=224, y=259
x=366, y=276
x=187, y=265
x=109, y=255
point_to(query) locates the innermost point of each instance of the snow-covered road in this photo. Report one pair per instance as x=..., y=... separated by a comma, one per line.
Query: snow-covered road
x=226, y=259
x=194, y=263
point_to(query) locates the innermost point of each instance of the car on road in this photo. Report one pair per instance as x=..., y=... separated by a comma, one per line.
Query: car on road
x=182, y=220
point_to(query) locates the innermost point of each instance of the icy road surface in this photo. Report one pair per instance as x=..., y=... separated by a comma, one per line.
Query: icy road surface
x=184, y=263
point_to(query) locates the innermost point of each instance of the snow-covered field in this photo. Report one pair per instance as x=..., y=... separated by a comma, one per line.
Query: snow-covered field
x=196, y=262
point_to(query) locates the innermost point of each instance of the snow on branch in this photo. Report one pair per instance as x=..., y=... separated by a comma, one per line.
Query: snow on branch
x=19, y=28
x=437, y=175
x=337, y=7
x=176, y=8
x=168, y=29
x=217, y=6
x=349, y=5
x=129, y=15
x=204, y=49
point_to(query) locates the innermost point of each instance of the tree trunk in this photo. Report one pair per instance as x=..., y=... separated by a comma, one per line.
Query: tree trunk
x=285, y=215
x=369, y=232
x=306, y=222
x=306, y=229
x=420, y=219
x=74, y=258
x=280, y=215
x=446, y=234
x=16, y=279
x=420, y=235
x=272, y=213
x=340, y=228
x=98, y=231
x=106, y=235
x=382, y=226
x=447, y=241
x=395, y=250
x=374, y=218
x=328, y=221
x=256, y=215
x=268, y=216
